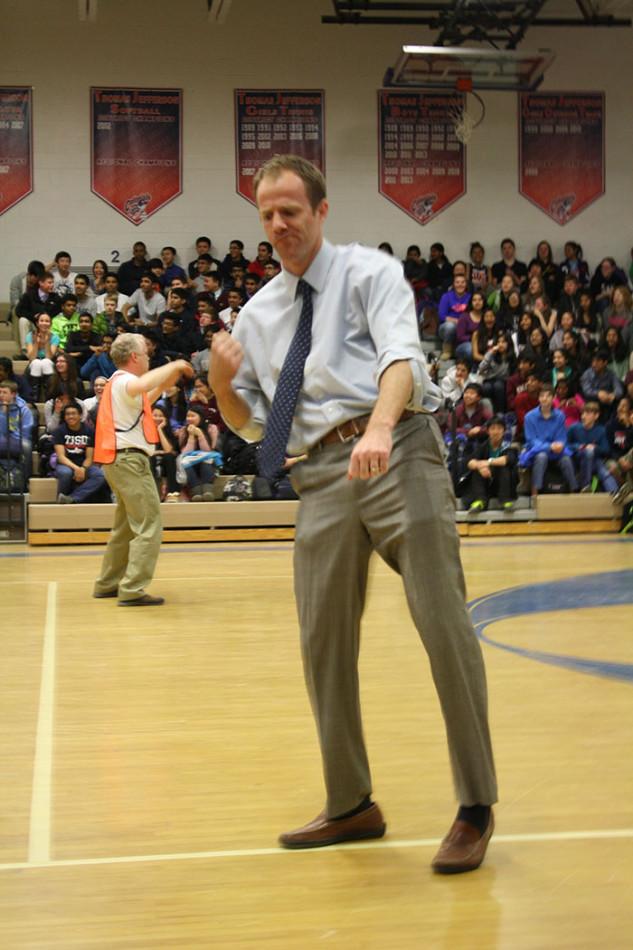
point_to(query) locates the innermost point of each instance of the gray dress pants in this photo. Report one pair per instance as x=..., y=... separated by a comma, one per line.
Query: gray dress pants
x=408, y=516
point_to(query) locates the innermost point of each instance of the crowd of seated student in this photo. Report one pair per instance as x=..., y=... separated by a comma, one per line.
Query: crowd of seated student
x=515, y=328
x=543, y=347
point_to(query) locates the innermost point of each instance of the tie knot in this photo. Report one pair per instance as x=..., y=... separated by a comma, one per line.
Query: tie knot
x=303, y=288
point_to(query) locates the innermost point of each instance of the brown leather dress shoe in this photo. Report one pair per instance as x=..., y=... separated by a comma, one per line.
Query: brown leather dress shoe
x=463, y=849
x=324, y=831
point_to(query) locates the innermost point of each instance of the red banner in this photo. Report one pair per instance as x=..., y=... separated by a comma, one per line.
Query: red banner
x=16, y=148
x=421, y=164
x=136, y=149
x=275, y=122
x=561, y=151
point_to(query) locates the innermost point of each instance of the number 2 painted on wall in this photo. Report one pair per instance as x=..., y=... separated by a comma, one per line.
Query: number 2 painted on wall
x=115, y=257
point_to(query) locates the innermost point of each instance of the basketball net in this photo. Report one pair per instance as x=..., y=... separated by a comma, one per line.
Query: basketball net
x=465, y=122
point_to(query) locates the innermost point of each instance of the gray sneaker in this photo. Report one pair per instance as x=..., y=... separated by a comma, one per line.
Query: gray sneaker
x=65, y=499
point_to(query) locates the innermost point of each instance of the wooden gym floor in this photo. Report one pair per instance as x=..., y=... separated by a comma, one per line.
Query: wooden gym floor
x=151, y=757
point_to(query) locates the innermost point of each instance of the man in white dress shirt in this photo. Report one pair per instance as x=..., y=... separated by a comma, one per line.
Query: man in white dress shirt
x=374, y=479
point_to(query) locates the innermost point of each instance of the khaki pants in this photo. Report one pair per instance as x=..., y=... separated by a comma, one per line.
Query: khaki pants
x=130, y=558
x=408, y=517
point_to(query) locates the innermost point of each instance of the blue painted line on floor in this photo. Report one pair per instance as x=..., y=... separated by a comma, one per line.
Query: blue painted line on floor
x=608, y=589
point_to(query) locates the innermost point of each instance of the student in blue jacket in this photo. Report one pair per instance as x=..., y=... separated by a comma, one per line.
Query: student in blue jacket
x=546, y=442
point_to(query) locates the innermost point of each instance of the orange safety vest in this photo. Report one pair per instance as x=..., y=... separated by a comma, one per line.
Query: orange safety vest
x=105, y=434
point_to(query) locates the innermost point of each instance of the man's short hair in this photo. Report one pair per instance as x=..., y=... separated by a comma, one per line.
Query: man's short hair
x=170, y=315
x=155, y=263
x=69, y=405
x=68, y=297
x=313, y=180
x=62, y=254
x=592, y=404
x=86, y=313
x=173, y=250
x=123, y=347
x=254, y=277
x=497, y=421
x=46, y=275
x=9, y=384
x=35, y=268
x=602, y=355
x=508, y=240
x=463, y=361
x=179, y=292
x=547, y=388
x=437, y=246
x=205, y=257
x=203, y=237
x=267, y=245
x=215, y=274
x=476, y=387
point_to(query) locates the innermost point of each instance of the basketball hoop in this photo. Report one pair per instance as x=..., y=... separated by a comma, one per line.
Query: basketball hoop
x=465, y=122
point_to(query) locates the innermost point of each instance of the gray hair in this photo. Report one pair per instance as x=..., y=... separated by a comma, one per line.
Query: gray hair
x=123, y=347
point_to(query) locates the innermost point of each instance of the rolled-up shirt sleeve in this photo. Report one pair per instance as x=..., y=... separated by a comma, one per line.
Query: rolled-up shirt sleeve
x=247, y=386
x=393, y=325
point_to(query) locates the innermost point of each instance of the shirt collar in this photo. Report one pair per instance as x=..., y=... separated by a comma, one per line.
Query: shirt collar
x=317, y=272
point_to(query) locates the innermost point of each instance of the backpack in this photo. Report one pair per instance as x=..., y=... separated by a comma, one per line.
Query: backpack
x=237, y=488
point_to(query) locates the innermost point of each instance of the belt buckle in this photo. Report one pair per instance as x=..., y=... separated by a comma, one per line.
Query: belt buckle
x=348, y=438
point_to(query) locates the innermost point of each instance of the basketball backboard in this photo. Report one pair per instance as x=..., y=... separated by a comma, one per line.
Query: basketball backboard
x=458, y=67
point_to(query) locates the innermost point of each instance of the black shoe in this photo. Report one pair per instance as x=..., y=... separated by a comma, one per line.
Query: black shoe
x=106, y=593
x=145, y=601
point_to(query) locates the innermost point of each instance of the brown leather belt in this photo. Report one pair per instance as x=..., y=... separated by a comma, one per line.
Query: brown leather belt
x=352, y=429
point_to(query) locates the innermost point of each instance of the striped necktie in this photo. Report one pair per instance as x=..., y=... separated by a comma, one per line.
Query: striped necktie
x=272, y=451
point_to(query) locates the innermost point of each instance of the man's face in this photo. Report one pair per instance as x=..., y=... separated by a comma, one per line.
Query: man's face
x=81, y=286
x=68, y=308
x=46, y=285
x=176, y=302
x=270, y=271
x=211, y=283
x=63, y=265
x=167, y=256
x=570, y=287
x=106, y=342
x=413, y=255
x=477, y=255
x=32, y=280
x=235, y=250
x=234, y=299
x=292, y=226
x=72, y=418
x=532, y=384
x=251, y=286
x=471, y=397
x=435, y=254
x=146, y=285
x=507, y=249
x=203, y=247
x=263, y=254
x=139, y=251
x=495, y=431
x=203, y=265
x=545, y=399
x=459, y=283
x=85, y=324
x=6, y=396
x=589, y=417
x=507, y=283
x=205, y=319
x=111, y=284
x=598, y=365
x=169, y=327
x=109, y=307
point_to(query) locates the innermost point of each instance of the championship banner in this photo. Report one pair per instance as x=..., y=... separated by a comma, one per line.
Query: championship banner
x=136, y=162
x=16, y=145
x=276, y=121
x=561, y=151
x=421, y=164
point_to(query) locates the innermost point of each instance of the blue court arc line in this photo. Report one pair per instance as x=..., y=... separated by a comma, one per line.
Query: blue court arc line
x=608, y=589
